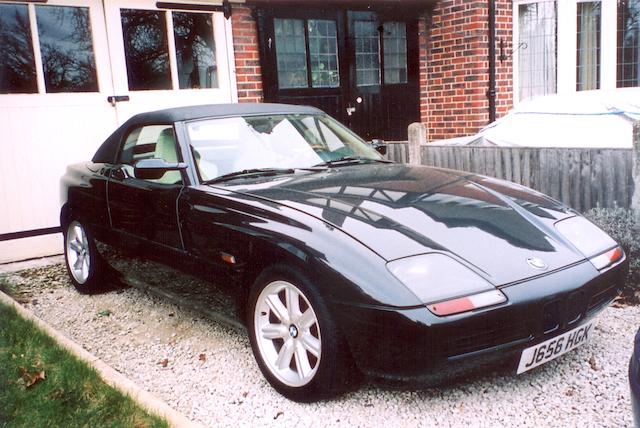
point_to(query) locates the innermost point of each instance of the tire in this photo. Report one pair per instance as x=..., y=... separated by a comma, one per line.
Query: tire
x=295, y=341
x=84, y=264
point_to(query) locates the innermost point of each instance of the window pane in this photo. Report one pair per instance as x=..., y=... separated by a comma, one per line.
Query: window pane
x=367, y=53
x=17, y=65
x=323, y=50
x=395, y=52
x=588, y=60
x=195, y=50
x=628, y=43
x=146, y=50
x=291, y=53
x=537, y=53
x=66, y=46
x=154, y=141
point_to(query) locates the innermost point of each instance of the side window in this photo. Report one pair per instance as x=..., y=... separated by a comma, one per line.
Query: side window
x=147, y=142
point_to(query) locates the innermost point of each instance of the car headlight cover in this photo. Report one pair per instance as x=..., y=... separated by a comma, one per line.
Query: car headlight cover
x=592, y=241
x=445, y=285
x=607, y=259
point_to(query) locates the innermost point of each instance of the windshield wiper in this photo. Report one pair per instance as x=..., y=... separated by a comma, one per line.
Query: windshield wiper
x=253, y=172
x=349, y=160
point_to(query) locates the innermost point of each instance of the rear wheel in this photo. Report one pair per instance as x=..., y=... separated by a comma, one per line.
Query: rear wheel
x=297, y=346
x=82, y=259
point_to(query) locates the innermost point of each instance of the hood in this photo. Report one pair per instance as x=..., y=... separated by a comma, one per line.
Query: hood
x=399, y=211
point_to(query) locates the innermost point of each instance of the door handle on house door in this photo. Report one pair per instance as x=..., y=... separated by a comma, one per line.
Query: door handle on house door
x=350, y=110
x=113, y=99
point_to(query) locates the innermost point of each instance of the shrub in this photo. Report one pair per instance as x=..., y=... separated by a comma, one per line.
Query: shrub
x=623, y=226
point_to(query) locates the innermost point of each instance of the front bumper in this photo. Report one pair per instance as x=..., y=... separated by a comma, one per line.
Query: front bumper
x=413, y=344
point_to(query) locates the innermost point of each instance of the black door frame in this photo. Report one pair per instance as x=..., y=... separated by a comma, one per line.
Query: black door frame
x=268, y=60
x=336, y=100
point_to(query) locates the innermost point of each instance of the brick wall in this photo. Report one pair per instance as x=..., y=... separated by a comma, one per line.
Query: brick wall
x=247, y=56
x=504, y=67
x=454, y=67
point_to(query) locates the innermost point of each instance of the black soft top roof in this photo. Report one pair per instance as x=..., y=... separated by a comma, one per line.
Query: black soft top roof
x=109, y=149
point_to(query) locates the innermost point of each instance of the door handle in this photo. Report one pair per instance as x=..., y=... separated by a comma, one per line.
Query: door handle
x=350, y=111
x=113, y=99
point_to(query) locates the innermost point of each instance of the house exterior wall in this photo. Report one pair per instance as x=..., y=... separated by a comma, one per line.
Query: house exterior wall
x=454, y=64
x=454, y=58
x=245, y=45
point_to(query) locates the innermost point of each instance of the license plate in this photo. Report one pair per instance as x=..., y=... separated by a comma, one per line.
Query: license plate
x=554, y=347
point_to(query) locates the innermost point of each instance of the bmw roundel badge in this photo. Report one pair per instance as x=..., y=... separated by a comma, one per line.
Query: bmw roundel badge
x=537, y=263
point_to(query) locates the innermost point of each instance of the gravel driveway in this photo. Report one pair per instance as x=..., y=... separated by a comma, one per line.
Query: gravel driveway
x=206, y=370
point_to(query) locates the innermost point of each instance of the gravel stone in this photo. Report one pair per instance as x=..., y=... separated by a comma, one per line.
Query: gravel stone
x=135, y=332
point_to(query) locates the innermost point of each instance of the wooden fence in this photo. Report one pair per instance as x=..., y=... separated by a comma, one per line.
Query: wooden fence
x=581, y=178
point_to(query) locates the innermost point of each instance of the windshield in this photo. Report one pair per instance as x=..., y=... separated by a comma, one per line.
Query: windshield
x=226, y=145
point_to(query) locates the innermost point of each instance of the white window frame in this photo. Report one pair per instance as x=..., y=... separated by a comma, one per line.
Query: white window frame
x=516, y=45
x=102, y=65
x=608, y=41
x=567, y=44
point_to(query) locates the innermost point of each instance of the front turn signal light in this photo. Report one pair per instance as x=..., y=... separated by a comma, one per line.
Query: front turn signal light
x=467, y=303
x=607, y=259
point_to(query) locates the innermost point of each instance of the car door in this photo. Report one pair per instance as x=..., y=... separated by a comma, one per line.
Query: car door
x=148, y=248
x=143, y=211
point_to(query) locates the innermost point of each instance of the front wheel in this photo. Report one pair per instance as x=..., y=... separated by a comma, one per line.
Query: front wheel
x=297, y=346
x=83, y=262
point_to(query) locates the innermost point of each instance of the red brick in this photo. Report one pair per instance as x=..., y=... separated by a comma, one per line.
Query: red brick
x=245, y=45
x=454, y=67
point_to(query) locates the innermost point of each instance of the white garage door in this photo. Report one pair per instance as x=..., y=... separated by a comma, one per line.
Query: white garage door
x=70, y=72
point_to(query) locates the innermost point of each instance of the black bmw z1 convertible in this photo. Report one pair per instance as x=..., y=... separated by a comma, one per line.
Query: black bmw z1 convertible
x=339, y=262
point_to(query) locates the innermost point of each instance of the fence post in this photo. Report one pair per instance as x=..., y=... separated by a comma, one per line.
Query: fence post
x=417, y=136
x=635, y=200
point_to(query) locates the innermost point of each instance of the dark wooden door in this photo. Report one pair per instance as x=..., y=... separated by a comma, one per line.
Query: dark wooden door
x=361, y=67
x=300, y=54
x=365, y=101
x=383, y=96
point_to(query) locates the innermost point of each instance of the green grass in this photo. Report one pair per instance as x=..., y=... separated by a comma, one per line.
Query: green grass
x=71, y=393
x=7, y=287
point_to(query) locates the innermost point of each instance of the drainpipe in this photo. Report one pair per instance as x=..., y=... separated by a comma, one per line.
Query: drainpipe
x=491, y=93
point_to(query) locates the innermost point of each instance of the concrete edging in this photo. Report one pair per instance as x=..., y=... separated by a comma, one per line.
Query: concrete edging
x=109, y=375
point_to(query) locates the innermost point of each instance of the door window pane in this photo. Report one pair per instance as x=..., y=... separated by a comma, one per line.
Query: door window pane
x=628, y=43
x=195, y=50
x=146, y=49
x=367, y=53
x=153, y=141
x=66, y=46
x=323, y=52
x=17, y=65
x=291, y=53
x=395, y=52
x=588, y=59
x=538, y=54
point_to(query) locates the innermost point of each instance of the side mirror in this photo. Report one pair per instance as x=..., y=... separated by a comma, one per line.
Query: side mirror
x=153, y=169
x=379, y=146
